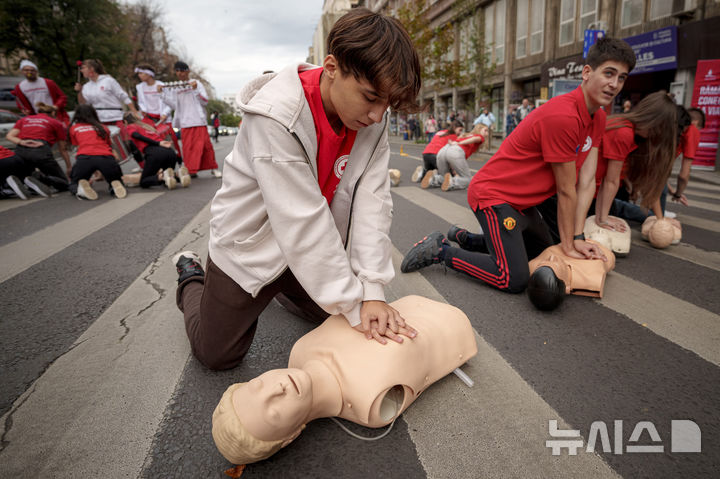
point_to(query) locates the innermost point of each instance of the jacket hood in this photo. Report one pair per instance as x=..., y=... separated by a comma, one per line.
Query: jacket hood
x=278, y=95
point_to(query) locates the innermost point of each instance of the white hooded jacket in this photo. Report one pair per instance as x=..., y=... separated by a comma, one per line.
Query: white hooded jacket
x=270, y=214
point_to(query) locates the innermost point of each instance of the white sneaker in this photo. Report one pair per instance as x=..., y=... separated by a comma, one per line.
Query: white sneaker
x=118, y=189
x=216, y=173
x=184, y=176
x=427, y=179
x=670, y=214
x=18, y=187
x=169, y=178
x=85, y=191
x=394, y=177
x=417, y=175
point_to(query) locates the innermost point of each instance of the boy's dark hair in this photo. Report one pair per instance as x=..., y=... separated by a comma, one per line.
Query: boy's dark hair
x=611, y=49
x=683, y=120
x=696, y=114
x=377, y=48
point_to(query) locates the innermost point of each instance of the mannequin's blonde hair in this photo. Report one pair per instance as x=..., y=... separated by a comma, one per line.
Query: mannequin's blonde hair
x=233, y=441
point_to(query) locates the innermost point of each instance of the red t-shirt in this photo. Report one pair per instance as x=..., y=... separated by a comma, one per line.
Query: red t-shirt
x=333, y=149
x=88, y=141
x=471, y=148
x=617, y=144
x=40, y=127
x=520, y=173
x=5, y=153
x=438, y=142
x=132, y=128
x=689, y=142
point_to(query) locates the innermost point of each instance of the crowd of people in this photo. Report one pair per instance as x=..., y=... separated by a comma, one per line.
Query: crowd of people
x=105, y=126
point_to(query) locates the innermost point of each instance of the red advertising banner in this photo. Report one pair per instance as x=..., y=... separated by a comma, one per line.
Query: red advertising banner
x=706, y=96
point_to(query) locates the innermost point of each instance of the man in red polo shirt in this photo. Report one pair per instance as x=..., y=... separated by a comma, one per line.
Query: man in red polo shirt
x=541, y=158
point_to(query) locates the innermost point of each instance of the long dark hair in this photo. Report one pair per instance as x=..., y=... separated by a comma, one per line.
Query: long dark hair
x=451, y=129
x=86, y=114
x=649, y=166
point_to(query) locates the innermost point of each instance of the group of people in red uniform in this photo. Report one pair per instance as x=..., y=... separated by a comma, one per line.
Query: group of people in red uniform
x=100, y=115
x=563, y=161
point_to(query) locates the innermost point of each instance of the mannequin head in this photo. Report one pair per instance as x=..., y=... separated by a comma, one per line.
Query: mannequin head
x=232, y=438
x=547, y=286
x=661, y=233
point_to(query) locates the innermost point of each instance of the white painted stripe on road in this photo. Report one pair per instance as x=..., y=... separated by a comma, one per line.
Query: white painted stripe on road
x=497, y=428
x=702, y=223
x=96, y=409
x=683, y=251
x=30, y=250
x=701, y=205
x=12, y=203
x=681, y=322
x=439, y=206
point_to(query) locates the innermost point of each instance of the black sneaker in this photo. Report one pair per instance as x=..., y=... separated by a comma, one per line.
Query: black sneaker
x=424, y=253
x=37, y=186
x=457, y=234
x=18, y=187
x=188, y=265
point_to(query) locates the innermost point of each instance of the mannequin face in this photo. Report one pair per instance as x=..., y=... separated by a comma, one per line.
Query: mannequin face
x=275, y=404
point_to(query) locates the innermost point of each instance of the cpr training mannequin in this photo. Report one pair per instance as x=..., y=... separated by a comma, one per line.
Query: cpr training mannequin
x=616, y=241
x=661, y=233
x=554, y=275
x=334, y=371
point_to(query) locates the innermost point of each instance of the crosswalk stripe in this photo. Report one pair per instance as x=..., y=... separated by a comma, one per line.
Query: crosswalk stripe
x=691, y=327
x=702, y=223
x=700, y=194
x=10, y=204
x=25, y=252
x=681, y=322
x=451, y=423
x=96, y=408
x=683, y=251
x=702, y=205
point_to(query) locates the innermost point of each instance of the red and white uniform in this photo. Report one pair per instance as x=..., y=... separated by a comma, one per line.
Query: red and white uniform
x=88, y=141
x=108, y=98
x=40, y=127
x=190, y=116
x=520, y=173
x=28, y=94
x=333, y=148
x=150, y=101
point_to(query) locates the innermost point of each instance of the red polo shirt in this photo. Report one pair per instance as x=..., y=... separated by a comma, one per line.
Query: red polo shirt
x=88, y=141
x=438, y=142
x=40, y=127
x=689, y=142
x=617, y=144
x=520, y=173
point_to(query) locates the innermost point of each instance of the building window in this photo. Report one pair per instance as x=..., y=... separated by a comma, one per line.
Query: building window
x=660, y=8
x=495, y=31
x=567, y=22
x=588, y=16
x=632, y=13
x=521, y=29
x=500, y=32
x=537, y=23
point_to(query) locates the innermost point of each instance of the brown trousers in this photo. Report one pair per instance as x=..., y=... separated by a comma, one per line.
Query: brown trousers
x=221, y=317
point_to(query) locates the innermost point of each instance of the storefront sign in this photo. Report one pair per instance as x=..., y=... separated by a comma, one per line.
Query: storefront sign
x=566, y=68
x=706, y=96
x=655, y=51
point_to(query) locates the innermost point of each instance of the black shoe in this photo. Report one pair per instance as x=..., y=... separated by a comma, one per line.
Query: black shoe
x=37, y=186
x=188, y=265
x=18, y=187
x=457, y=234
x=424, y=253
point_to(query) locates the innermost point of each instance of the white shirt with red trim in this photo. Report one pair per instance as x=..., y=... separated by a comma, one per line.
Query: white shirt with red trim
x=150, y=101
x=36, y=91
x=189, y=105
x=107, y=96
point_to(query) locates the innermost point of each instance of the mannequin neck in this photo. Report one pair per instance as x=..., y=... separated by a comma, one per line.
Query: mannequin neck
x=327, y=396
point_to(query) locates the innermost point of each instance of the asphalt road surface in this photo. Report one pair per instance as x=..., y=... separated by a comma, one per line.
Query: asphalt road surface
x=97, y=379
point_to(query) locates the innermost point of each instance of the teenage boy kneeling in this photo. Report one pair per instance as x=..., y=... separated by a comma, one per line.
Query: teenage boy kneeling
x=304, y=210
x=542, y=157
